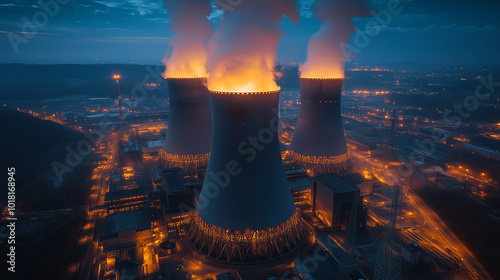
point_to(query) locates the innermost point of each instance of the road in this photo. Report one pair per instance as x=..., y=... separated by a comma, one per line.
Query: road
x=87, y=246
x=86, y=254
x=439, y=228
x=473, y=267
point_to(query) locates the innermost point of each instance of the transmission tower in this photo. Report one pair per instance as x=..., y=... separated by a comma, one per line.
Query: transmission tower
x=388, y=262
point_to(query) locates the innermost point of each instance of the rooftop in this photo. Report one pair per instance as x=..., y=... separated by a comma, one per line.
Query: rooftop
x=119, y=194
x=326, y=268
x=335, y=183
x=121, y=221
x=174, y=183
x=412, y=247
x=353, y=178
x=299, y=183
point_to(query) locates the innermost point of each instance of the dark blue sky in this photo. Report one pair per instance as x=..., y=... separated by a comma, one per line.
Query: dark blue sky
x=136, y=31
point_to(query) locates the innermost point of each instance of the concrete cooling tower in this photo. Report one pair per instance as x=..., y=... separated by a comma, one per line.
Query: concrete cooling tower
x=245, y=213
x=318, y=143
x=188, y=140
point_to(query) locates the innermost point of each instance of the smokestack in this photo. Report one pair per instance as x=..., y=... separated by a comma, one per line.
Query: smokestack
x=245, y=213
x=120, y=107
x=318, y=142
x=187, y=144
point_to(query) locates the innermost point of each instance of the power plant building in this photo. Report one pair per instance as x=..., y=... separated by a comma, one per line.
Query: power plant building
x=300, y=186
x=332, y=200
x=177, y=202
x=127, y=199
x=126, y=229
x=364, y=185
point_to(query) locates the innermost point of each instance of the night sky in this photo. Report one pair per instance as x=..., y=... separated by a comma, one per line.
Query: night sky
x=136, y=31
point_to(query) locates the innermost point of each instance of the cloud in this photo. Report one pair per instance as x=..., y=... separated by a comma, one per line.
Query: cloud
x=442, y=28
x=129, y=39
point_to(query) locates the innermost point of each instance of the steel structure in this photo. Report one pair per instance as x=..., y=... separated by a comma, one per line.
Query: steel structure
x=245, y=213
x=188, y=140
x=318, y=142
x=120, y=107
x=388, y=262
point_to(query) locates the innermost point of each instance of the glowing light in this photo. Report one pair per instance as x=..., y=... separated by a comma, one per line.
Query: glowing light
x=242, y=56
x=322, y=71
x=257, y=243
x=245, y=93
x=116, y=77
x=255, y=76
x=325, y=56
x=318, y=165
x=184, y=162
x=191, y=28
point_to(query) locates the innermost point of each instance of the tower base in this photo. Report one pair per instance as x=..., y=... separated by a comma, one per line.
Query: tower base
x=323, y=165
x=187, y=163
x=249, y=246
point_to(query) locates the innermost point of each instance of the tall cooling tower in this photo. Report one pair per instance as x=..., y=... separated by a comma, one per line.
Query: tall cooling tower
x=187, y=144
x=318, y=142
x=245, y=213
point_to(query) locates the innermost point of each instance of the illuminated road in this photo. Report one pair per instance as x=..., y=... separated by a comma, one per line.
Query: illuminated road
x=81, y=268
x=442, y=237
x=87, y=246
x=474, y=268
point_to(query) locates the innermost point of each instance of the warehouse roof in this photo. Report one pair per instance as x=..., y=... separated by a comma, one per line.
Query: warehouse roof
x=121, y=221
x=335, y=183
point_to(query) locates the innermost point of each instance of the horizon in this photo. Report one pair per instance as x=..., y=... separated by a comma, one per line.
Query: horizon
x=137, y=32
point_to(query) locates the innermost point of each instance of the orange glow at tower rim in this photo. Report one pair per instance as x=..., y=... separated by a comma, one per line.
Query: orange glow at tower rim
x=318, y=73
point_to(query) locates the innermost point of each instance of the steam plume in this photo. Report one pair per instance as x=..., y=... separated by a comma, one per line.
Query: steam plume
x=191, y=28
x=325, y=58
x=243, y=49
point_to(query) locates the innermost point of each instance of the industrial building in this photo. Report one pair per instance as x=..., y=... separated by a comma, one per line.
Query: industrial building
x=127, y=199
x=415, y=255
x=245, y=212
x=126, y=229
x=188, y=140
x=364, y=185
x=126, y=240
x=330, y=262
x=177, y=202
x=300, y=185
x=318, y=143
x=332, y=201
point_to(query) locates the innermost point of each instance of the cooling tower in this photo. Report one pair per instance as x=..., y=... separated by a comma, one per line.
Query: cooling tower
x=187, y=144
x=245, y=213
x=318, y=143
